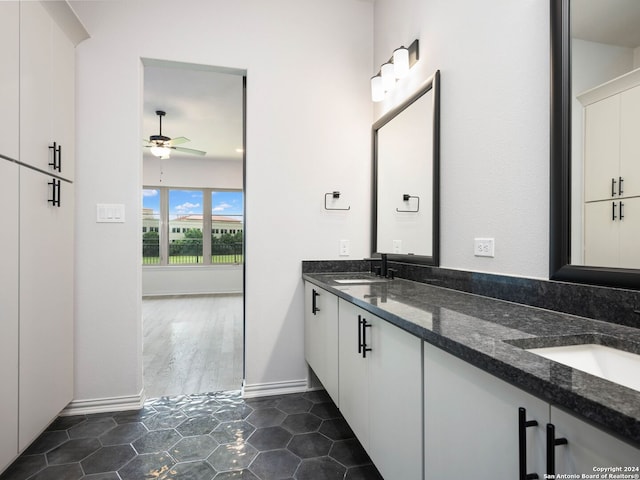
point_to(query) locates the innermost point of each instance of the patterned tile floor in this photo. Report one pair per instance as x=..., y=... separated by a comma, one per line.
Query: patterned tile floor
x=201, y=437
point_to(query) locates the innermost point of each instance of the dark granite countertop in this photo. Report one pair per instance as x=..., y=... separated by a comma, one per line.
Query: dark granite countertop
x=492, y=334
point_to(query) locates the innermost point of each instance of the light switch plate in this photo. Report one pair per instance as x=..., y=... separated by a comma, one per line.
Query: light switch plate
x=397, y=246
x=110, y=213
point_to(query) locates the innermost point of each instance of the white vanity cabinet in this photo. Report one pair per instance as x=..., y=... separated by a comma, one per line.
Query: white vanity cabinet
x=612, y=172
x=321, y=337
x=472, y=428
x=47, y=79
x=381, y=390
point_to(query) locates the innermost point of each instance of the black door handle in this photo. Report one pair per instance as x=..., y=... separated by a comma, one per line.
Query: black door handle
x=613, y=187
x=55, y=192
x=523, y=423
x=620, y=191
x=314, y=306
x=363, y=346
x=613, y=211
x=621, y=210
x=56, y=164
x=552, y=443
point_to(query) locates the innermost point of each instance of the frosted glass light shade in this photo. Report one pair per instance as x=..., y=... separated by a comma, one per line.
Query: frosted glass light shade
x=377, y=90
x=401, y=62
x=388, y=77
x=162, y=152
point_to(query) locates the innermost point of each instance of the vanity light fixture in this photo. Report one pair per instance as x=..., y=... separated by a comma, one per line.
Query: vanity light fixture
x=397, y=67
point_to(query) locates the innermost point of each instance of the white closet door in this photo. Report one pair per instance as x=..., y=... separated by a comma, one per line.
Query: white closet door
x=630, y=142
x=9, y=78
x=601, y=234
x=9, y=313
x=630, y=233
x=602, y=148
x=46, y=303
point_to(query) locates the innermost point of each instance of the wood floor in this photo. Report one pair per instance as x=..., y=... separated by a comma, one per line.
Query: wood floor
x=192, y=344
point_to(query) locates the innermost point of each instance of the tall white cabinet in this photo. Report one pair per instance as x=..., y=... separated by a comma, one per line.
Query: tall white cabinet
x=37, y=191
x=612, y=173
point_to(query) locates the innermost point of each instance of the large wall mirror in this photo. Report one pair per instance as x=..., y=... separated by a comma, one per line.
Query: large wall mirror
x=406, y=156
x=595, y=142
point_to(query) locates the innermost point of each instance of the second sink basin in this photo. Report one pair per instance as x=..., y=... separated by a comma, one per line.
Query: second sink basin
x=605, y=362
x=348, y=281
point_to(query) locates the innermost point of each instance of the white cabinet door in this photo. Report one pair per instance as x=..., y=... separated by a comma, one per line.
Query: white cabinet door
x=321, y=337
x=9, y=313
x=630, y=232
x=472, y=422
x=395, y=401
x=601, y=233
x=630, y=142
x=63, y=99
x=381, y=390
x=353, y=377
x=46, y=303
x=602, y=149
x=46, y=90
x=588, y=447
x=35, y=85
x=9, y=78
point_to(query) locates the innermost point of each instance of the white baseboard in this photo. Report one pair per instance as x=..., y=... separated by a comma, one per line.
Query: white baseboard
x=102, y=405
x=274, y=388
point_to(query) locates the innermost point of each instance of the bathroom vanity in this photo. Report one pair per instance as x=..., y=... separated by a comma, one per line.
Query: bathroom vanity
x=438, y=383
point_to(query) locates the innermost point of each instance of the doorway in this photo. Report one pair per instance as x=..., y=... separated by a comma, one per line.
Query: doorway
x=192, y=228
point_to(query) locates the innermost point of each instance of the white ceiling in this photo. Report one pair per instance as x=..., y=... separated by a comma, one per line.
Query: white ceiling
x=201, y=103
x=614, y=22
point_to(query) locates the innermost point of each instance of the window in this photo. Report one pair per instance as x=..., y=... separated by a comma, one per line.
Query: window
x=174, y=221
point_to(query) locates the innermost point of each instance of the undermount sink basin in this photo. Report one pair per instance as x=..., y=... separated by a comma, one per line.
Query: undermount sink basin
x=605, y=362
x=352, y=281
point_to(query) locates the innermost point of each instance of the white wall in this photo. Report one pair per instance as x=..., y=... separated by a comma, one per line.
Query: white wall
x=187, y=280
x=308, y=123
x=494, y=61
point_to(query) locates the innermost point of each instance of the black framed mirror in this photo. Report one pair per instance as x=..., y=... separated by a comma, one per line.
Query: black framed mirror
x=406, y=178
x=594, y=71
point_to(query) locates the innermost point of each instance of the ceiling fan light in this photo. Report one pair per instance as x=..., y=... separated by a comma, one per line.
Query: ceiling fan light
x=162, y=152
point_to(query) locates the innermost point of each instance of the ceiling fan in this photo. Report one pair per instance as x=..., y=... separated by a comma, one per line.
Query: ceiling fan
x=161, y=145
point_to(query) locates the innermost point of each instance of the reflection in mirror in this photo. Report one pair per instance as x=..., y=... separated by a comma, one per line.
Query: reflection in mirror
x=406, y=190
x=595, y=184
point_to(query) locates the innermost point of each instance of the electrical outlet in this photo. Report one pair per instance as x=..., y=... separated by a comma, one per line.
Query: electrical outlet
x=344, y=248
x=397, y=246
x=484, y=247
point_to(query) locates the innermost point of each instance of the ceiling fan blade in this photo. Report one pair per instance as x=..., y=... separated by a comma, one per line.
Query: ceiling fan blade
x=179, y=140
x=189, y=150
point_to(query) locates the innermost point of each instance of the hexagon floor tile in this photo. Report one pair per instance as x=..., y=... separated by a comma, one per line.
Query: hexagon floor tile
x=215, y=436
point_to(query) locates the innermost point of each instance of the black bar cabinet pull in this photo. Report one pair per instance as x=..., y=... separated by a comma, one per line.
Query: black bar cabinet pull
x=56, y=164
x=621, y=210
x=613, y=211
x=55, y=192
x=552, y=443
x=365, y=349
x=314, y=306
x=523, y=423
x=613, y=187
x=620, y=191
x=359, y=334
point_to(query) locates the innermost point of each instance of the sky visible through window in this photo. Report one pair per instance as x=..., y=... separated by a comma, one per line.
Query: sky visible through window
x=184, y=202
